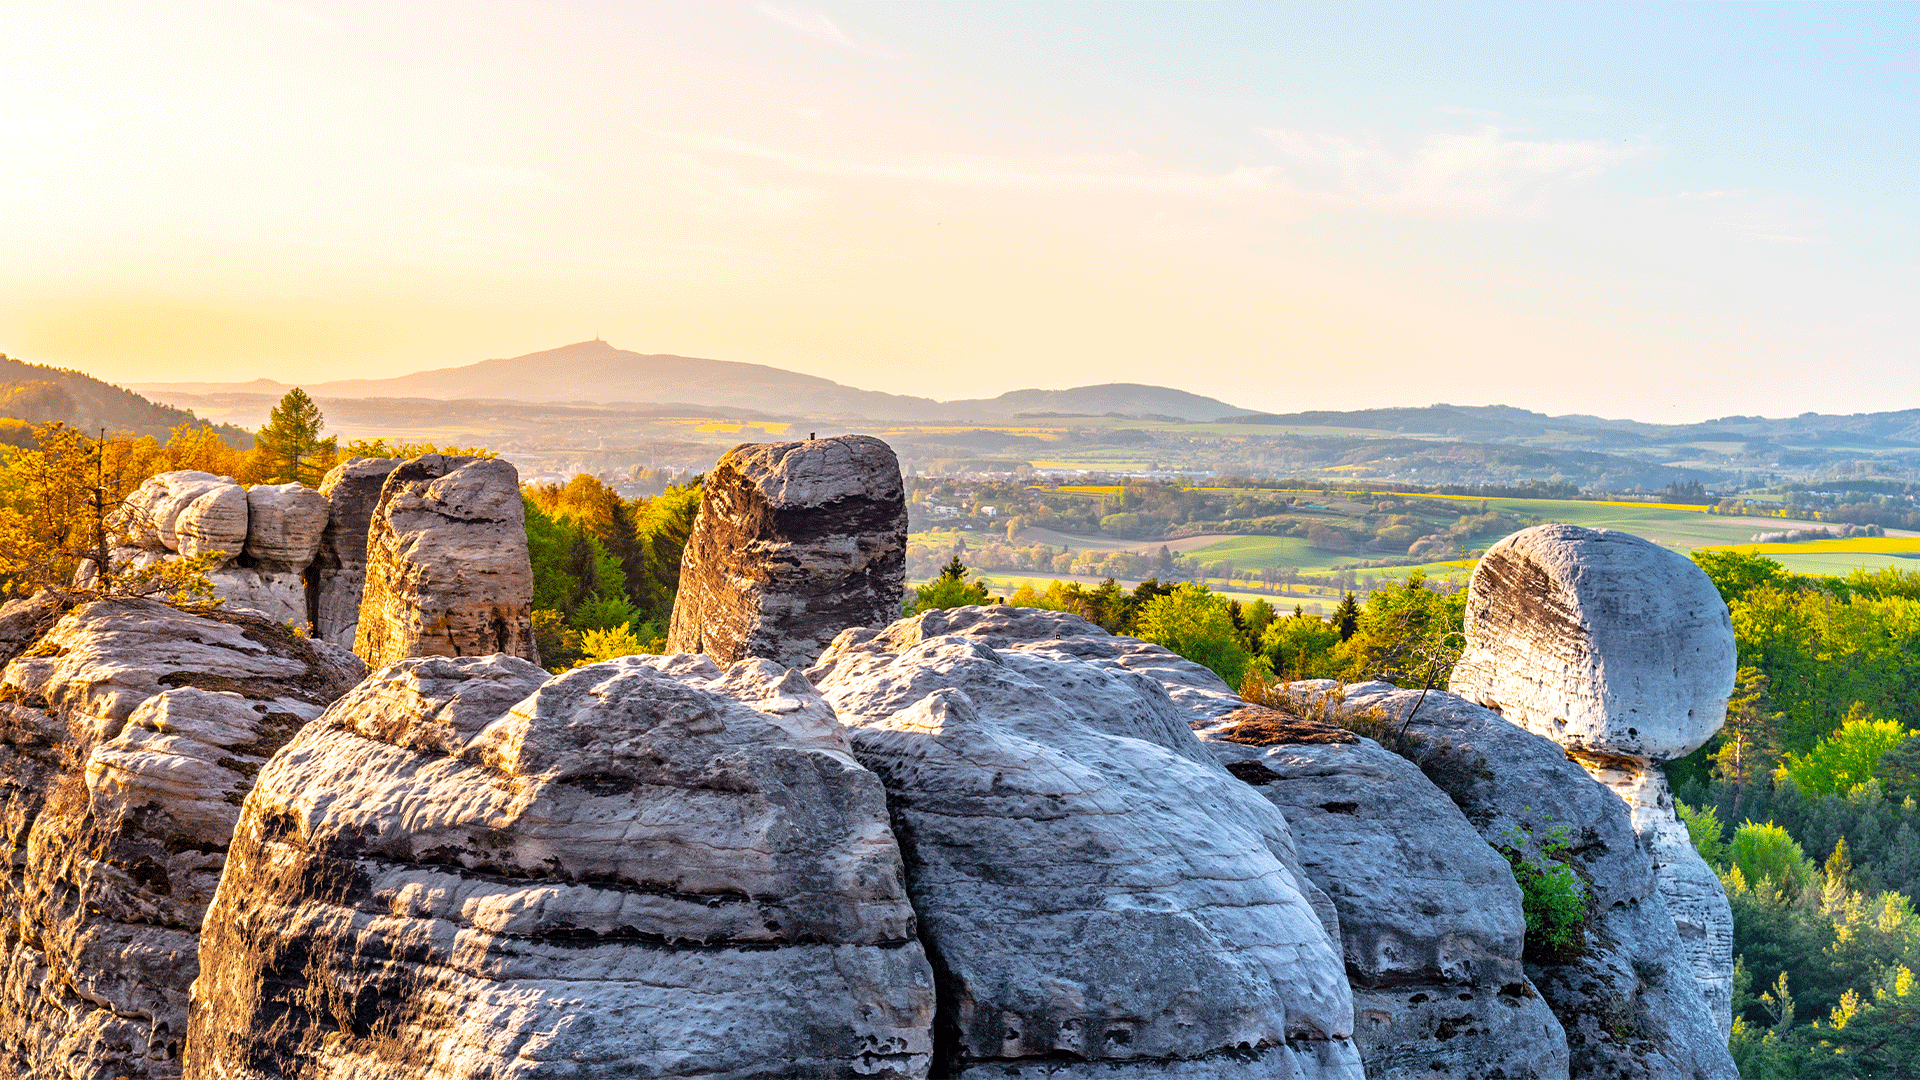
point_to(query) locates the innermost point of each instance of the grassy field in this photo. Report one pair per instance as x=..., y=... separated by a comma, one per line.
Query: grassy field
x=1682, y=527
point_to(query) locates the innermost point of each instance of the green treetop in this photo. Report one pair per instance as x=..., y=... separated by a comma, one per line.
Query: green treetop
x=291, y=442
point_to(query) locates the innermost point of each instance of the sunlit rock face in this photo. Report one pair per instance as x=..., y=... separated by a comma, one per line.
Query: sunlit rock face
x=647, y=867
x=1099, y=897
x=1622, y=652
x=1626, y=997
x=1598, y=640
x=794, y=543
x=448, y=572
x=129, y=734
x=1430, y=916
x=352, y=490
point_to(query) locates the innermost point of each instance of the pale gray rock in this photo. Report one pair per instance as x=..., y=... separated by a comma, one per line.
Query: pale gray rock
x=191, y=513
x=1098, y=896
x=352, y=489
x=794, y=543
x=1598, y=640
x=129, y=732
x=647, y=867
x=448, y=572
x=1623, y=652
x=1628, y=1002
x=1430, y=916
x=279, y=595
x=1689, y=888
x=284, y=522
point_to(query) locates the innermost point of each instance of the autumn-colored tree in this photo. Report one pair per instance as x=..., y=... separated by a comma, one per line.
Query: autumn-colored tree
x=290, y=447
x=197, y=448
x=57, y=500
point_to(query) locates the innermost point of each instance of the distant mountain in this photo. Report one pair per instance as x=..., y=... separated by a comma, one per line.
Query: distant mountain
x=1502, y=423
x=595, y=371
x=38, y=394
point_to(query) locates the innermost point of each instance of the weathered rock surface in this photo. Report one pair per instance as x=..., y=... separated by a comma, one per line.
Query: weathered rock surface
x=1430, y=916
x=128, y=734
x=1098, y=896
x=352, y=490
x=280, y=595
x=1621, y=651
x=1598, y=640
x=647, y=867
x=284, y=522
x=447, y=566
x=23, y=621
x=1628, y=1002
x=266, y=538
x=794, y=543
x=192, y=513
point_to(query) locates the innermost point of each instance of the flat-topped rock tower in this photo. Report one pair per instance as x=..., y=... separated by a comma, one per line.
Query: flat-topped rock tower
x=795, y=542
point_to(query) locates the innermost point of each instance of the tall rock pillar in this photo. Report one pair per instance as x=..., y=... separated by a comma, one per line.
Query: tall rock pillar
x=795, y=542
x=1622, y=652
x=447, y=567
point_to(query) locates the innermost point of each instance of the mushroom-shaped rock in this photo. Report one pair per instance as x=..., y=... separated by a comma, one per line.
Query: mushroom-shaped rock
x=1598, y=640
x=448, y=573
x=192, y=513
x=1098, y=896
x=352, y=490
x=132, y=731
x=1622, y=652
x=1625, y=995
x=647, y=867
x=794, y=543
x=283, y=525
x=1430, y=917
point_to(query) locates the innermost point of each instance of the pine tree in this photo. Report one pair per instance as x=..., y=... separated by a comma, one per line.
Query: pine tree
x=1751, y=733
x=291, y=442
x=1347, y=616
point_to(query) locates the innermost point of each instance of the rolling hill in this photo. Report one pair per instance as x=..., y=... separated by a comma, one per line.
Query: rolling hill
x=596, y=372
x=37, y=394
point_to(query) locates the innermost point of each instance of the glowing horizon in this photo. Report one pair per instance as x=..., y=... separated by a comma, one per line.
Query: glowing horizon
x=1665, y=212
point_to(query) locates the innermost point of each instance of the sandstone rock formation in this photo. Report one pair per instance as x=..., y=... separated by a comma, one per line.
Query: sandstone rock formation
x=352, y=490
x=1628, y=1001
x=1430, y=916
x=1098, y=896
x=192, y=513
x=129, y=732
x=284, y=522
x=1621, y=651
x=794, y=543
x=647, y=867
x=263, y=539
x=447, y=565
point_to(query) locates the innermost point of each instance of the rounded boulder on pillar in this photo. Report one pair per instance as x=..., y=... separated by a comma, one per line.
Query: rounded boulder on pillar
x=1599, y=640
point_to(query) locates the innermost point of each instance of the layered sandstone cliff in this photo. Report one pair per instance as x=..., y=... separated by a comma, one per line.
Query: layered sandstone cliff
x=129, y=733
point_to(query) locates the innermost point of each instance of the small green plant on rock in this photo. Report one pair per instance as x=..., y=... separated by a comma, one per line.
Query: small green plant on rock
x=1552, y=894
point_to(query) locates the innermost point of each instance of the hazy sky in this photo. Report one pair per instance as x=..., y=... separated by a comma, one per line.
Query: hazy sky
x=1663, y=211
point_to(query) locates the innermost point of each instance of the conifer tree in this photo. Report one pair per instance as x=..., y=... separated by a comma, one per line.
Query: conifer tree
x=291, y=444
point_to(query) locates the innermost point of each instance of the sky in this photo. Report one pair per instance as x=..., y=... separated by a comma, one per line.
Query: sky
x=1669, y=212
